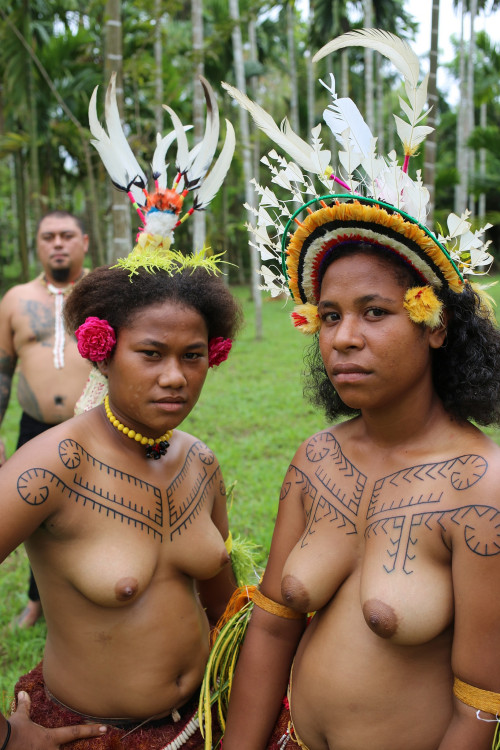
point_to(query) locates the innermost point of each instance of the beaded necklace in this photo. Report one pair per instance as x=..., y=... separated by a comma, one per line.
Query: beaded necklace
x=155, y=447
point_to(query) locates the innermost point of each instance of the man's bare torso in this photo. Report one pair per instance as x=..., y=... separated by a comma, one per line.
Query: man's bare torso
x=44, y=392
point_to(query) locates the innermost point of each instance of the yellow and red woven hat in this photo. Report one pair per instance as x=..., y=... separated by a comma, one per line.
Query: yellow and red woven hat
x=345, y=219
x=381, y=204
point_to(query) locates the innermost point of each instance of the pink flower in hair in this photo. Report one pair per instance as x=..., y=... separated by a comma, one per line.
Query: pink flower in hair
x=218, y=350
x=95, y=339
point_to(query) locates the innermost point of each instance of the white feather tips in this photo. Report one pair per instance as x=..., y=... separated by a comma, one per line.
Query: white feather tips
x=296, y=148
x=391, y=46
x=113, y=148
x=218, y=172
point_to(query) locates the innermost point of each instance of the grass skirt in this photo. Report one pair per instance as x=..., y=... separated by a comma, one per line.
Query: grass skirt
x=154, y=735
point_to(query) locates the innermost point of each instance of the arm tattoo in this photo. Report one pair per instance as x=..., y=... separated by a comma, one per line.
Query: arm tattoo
x=113, y=493
x=7, y=367
x=402, y=506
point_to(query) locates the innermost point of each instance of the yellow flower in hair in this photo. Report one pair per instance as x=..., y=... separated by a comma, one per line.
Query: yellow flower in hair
x=306, y=318
x=423, y=306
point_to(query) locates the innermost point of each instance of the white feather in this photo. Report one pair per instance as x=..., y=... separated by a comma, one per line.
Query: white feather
x=391, y=46
x=112, y=146
x=284, y=137
x=182, y=158
x=201, y=156
x=212, y=183
x=343, y=114
x=158, y=166
x=406, y=61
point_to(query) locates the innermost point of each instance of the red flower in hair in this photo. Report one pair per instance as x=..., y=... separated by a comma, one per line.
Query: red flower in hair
x=218, y=350
x=95, y=339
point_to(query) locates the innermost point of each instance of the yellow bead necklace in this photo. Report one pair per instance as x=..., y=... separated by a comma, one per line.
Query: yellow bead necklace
x=155, y=447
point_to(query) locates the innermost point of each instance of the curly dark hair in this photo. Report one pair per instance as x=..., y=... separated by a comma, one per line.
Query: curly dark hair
x=111, y=294
x=465, y=371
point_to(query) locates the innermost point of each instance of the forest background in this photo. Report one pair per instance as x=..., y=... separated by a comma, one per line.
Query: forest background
x=53, y=54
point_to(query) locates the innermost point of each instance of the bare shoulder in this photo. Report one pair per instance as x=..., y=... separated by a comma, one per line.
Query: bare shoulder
x=322, y=445
x=478, y=467
x=190, y=446
x=16, y=295
x=20, y=291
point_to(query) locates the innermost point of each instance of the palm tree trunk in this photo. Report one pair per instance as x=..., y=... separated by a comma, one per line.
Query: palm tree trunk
x=430, y=142
x=239, y=70
x=158, y=52
x=461, y=163
x=292, y=65
x=199, y=226
x=369, y=109
x=34, y=172
x=470, y=98
x=22, y=237
x=482, y=164
x=120, y=204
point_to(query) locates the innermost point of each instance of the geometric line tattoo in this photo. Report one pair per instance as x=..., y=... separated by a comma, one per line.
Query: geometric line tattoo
x=463, y=472
x=402, y=505
x=335, y=489
x=34, y=486
x=195, y=483
x=480, y=523
x=109, y=490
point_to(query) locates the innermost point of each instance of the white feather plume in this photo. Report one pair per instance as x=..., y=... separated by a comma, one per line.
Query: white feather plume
x=182, y=159
x=158, y=165
x=284, y=137
x=212, y=183
x=406, y=61
x=116, y=155
x=201, y=156
x=391, y=46
x=343, y=114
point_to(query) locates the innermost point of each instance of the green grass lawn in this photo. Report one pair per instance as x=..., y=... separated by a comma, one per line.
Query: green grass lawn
x=251, y=413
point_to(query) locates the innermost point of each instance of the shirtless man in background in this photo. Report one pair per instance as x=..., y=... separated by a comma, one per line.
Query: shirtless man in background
x=52, y=374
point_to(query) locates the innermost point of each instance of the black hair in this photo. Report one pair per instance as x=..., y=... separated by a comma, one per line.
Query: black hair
x=60, y=214
x=113, y=295
x=465, y=371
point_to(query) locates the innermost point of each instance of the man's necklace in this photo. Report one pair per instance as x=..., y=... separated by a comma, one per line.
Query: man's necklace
x=59, y=293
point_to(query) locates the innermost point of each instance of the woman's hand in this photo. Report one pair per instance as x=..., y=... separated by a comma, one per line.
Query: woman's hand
x=26, y=734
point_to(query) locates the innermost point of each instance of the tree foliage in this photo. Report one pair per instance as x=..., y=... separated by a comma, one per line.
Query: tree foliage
x=52, y=57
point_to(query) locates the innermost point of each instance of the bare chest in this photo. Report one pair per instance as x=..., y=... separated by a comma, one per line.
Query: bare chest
x=392, y=530
x=118, y=533
x=34, y=320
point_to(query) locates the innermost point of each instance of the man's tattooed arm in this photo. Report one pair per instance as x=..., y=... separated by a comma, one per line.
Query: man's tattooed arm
x=7, y=367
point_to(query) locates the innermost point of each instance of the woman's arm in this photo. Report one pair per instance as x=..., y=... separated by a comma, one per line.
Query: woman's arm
x=476, y=640
x=22, y=513
x=216, y=592
x=271, y=641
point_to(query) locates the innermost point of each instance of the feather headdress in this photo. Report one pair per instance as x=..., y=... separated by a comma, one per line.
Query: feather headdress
x=160, y=210
x=377, y=201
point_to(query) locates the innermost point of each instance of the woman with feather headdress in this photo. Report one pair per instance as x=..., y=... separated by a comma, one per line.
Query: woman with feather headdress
x=378, y=609
x=123, y=514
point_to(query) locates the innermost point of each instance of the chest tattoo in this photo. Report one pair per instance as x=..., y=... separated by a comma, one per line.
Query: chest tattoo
x=41, y=321
x=116, y=494
x=194, y=483
x=402, y=505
